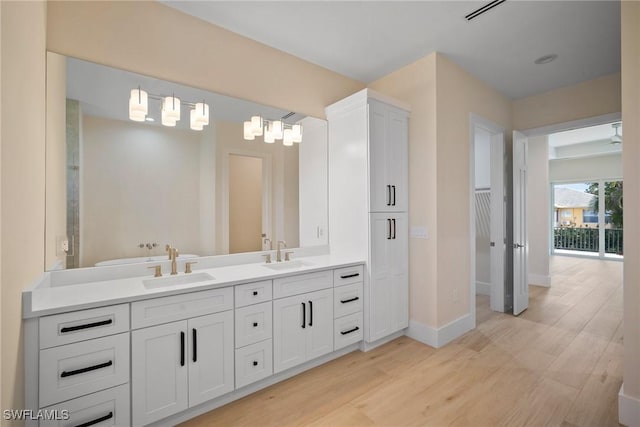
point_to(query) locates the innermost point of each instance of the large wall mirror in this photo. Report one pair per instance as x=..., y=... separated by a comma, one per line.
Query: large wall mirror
x=119, y=190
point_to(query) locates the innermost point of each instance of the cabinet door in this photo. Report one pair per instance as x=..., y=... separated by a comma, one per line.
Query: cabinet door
x=319, y=323
x=380, y=186
x=397, y=154
x=211, y=356
x=400, y=272
x=381, y=280
x=289, y=332
x=159, y=372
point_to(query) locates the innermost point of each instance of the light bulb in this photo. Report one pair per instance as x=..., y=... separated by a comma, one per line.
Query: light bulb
x=287, y=138
x=171, y=107
x=297, y=133
x=276, y=128
x=248, y=134
x=138, y=105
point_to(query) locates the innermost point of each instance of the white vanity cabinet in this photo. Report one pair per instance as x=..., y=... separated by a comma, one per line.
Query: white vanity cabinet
x=181, y=364
x=368, y=195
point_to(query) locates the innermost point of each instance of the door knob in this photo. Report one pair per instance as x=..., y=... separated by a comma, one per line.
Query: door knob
x=517, y=246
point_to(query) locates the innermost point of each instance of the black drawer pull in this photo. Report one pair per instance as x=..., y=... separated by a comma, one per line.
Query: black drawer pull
x=255, y=293
x=348, y=276
x=255, y=363
x=344, y=301
x=350, y=330
x=255, y=324
x=65, y=374
x=96, y=421
x=85, y=326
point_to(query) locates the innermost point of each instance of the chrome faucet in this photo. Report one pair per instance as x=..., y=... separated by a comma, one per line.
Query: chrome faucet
x=278, y=253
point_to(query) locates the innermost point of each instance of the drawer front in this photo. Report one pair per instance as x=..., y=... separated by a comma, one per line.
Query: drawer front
x=68, y=328
x=347, y=330
x=253, y=293
x=179, y=307
x=81, y=368
x=347, y=300
x=302, y=283
x=347, y=275
x=105, y=408
x=253, y=363
x=253, y=324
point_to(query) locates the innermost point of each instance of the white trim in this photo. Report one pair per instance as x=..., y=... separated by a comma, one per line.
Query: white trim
x=628, y=409
x=539, y=280
x=483, y=288
x=361, y=98
x=574, y=124
x=367, y=346
x=438, y=337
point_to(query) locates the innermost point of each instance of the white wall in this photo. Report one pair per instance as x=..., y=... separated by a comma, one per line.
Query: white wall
x=586, y=168
x=538, y=211
x=136, y=181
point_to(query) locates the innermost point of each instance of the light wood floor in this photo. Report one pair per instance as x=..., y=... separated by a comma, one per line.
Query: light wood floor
x=558, y=363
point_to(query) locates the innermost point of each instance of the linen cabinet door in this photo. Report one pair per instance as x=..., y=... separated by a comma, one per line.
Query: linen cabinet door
x=400, y=272
x=319, y=323
x=379, y=311
x=380, y=189
x=289, y=332
x=397, y=154
x=159, y=372
x=211, y=357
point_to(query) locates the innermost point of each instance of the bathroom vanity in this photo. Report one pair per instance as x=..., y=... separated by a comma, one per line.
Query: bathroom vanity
x=138, y=350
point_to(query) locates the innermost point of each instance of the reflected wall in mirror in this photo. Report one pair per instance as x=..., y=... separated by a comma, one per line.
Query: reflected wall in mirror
x=119, y=190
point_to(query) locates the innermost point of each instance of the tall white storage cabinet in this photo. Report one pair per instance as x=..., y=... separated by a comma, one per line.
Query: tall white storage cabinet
x=368, y=202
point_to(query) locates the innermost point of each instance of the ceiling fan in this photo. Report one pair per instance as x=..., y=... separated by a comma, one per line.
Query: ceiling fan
x=616, y=139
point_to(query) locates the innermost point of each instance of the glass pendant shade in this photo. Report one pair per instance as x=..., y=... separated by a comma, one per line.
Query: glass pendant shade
x=248, y=132
x=287, y=138
x=256, y=125
x=171, y=107
x=138, y=105
x=194, y=122
x=268, y=136
x=201, y=112
x=297, y=133
x=166, y=120
x=277, y=128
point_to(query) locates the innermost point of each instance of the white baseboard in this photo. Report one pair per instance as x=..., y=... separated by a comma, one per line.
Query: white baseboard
x=438, y=337
x=483, y=288
x=628, y=409
x=367, y=346
x=539, y=280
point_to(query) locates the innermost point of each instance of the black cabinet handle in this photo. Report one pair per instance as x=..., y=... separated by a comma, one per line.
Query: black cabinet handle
x=394, y=228
x=65, y=374
x=85, y=326
x=304, y=315
x=255, y=324
x=350, y=275
x=344, y=301
x=388, y=229
x=350, y=330
x=96, y=421
x=394, y=195
x=194, y=335
x=255, y=363
x=181, y=348
x=255, y=293
x=388, y=195
x=310, y=313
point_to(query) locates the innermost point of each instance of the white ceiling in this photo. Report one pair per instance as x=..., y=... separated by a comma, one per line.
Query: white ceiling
x=366, y=40
x=582, y=135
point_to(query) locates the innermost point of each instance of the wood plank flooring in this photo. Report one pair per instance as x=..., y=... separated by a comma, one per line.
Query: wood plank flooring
x=558, y=363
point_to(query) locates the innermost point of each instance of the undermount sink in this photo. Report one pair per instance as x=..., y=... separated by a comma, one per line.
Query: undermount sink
x=177, y=280
x=288, y=265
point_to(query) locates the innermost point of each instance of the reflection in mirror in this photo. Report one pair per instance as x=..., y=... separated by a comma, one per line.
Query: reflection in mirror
x=119, y=190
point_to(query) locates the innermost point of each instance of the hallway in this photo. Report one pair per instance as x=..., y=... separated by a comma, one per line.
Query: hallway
x=559, y=363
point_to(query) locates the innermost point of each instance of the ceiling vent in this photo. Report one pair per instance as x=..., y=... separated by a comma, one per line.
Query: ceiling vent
x=487, y=7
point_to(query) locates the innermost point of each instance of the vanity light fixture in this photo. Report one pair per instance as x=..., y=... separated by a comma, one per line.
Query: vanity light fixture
x=169, y=109
x=272, y=130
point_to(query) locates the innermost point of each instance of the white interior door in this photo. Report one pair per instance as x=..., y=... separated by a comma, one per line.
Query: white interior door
x=497, y=223
x=520, y=242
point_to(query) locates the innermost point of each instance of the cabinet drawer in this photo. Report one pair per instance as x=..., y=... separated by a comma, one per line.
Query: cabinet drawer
x=82, y=325
x=253, y=293
x=105, y=408
x=347, y=330
x=347, y=275
x=81, y=368
x=253, y=363
x=302, y=283
x=178, y=307
x=253, y=324
x=347, y=299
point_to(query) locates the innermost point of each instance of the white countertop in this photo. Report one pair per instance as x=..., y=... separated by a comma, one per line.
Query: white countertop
x=44, y=299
